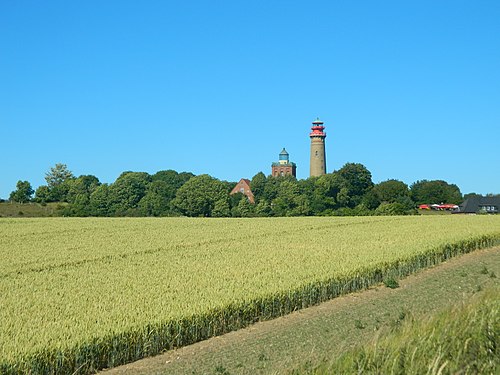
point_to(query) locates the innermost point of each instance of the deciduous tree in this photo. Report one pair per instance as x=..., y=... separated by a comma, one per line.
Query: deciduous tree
x=436, y=191
x=23, y=192
x=203, y=196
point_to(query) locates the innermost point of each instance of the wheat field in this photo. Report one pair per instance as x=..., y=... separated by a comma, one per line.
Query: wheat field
x=87, y=293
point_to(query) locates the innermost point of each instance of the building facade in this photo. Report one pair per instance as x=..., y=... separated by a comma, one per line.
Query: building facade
x=243, y=187
x=284, y=167
x=318, y=155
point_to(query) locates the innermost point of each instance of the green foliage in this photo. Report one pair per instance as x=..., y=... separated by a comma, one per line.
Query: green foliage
x=437, y=191
x=78, y=195
x=346, y=192
x=156, y=201
x=199, y=195
x=23, y=192
x=234, y=200
x=370, y=200
x=245, y=208
x=58, y=180
x=391, y=190
x=257, y=185
x=221, y=208
x=57, y=175
x=81, y=186
x=100, y=201
x=263, y=209
x=358, y=181
x=391, y=282
x=172, y=178
x=395, y=208
x=289, y=201
x=42, y=194
x=127, y=191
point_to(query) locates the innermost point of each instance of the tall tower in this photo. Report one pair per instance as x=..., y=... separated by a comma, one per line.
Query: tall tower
x=318, y=155
x=284, y=167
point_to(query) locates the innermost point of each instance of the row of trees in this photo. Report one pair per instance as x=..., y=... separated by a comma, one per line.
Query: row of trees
x=348, y=191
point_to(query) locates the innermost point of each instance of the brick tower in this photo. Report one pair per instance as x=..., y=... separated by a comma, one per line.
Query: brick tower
x=318, y=155
x=284, y=167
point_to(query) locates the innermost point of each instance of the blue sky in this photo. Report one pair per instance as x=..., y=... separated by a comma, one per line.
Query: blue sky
x=410, y=89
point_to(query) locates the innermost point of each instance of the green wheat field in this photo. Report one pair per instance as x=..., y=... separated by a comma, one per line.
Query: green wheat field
x=82, y=294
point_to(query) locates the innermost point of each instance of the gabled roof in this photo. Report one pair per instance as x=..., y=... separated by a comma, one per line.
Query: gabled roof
x=473, y=205
x=246, y=189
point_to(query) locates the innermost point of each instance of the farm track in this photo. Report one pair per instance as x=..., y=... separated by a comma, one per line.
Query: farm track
x=324, y=331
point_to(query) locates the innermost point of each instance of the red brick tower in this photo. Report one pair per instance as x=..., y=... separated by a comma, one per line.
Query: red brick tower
x=284, y=167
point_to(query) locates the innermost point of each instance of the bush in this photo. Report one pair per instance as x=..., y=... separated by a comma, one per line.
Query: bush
x=388, y=209
x=391, y=282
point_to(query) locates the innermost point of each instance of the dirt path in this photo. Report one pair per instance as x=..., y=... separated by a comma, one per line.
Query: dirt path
x=326, y=330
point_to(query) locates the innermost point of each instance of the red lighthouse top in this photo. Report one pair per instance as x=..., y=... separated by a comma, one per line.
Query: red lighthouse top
x=317, y=129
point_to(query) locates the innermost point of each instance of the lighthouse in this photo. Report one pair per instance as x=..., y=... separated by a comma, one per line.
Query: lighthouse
x=318, y=155
x=284, y=167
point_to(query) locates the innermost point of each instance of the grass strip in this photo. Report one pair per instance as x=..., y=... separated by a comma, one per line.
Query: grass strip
x=463, y=339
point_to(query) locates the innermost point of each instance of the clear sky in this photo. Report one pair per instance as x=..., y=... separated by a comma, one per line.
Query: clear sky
x=410, y=89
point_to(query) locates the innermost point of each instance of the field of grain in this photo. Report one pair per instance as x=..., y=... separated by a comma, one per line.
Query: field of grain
x=81, y=294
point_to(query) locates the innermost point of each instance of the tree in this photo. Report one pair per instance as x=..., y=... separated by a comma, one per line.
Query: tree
x=329, y=189
x=42, y=194
x=289, y=201
x=234, y=200
x=472, y=195
x=157, y=200
x=245, y=208
x=172, y=180
x=78, y=192
x=370, y=200
x=221, y=208
x=358, y=180
x=23, y=192
x=436, y=191
x=391, y=190
x=84, y=185
x=257, y=185
x=263, y=209
x=386, y=209
x=127, y=191
x=58, y=178
x=100, y=201
x=58, y=175
x=203, y=196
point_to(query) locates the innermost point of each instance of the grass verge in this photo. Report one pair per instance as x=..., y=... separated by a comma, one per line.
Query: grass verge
x=463, y=339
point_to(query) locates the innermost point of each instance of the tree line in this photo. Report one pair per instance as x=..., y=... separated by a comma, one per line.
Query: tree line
x=348, y=191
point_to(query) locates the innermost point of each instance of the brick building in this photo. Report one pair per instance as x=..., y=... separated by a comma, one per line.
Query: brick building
x=284, y=166
x=243, y=187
